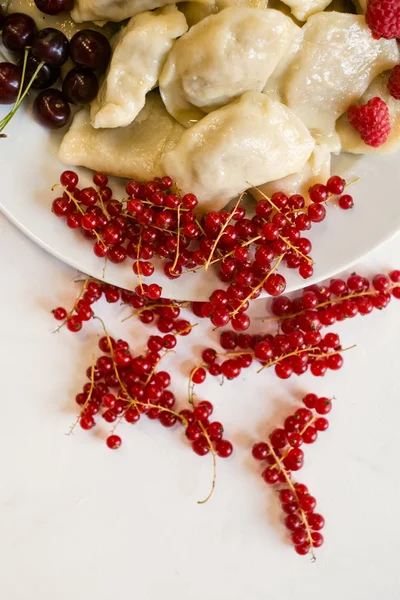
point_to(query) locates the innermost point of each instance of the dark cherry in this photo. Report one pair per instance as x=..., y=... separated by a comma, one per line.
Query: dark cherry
x=10, y=81
x=90, y=49
x=46, y=77
x=19, y=31
x=51, y=109
x=54, y=7
x=80, y=86
x=51, y=46
x=2, y=17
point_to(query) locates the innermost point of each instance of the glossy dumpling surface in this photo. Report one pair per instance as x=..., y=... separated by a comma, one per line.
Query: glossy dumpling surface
x=138, y=56
x=251, y=141
x=114, y=10
x=303, y=9
x=316, y=170
x=222, y=57
x=337, y=60
x=134, y=151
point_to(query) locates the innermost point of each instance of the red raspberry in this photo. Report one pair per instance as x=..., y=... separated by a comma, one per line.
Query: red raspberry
x=383, y=18
x=372, y=121
x=394, y=82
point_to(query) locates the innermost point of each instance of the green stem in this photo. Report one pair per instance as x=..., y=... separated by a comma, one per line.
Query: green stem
x=4, y=122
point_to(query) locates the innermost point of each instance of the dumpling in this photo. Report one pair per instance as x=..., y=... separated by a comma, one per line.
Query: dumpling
x=251, y=141
x=134, y=151
x=136, y=62
x=316, y=170
x=337, y=60
x=196, y=12
x=302, y=9
x=115, y=10
x=222, y=57
x=350, y=139
x=62, y=21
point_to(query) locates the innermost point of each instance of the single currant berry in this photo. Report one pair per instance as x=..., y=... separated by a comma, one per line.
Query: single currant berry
x=200, y=446
x=86, y=422
x=60, y=314
x=346, y=202
x=260, y=451
x=335, y=185
x=198, y=375
x=316, y=521
x=113, y=442
x=318, y=193
x=310, y=400
x=224, y=448
x=323, y=406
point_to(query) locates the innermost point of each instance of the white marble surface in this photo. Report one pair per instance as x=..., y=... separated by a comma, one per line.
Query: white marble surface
x=78, y=521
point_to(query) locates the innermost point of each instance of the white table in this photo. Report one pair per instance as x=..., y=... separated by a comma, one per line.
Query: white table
x=78, y=521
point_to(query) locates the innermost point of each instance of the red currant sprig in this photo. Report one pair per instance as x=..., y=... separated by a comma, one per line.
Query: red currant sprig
x=283, y=455
x=319, y=306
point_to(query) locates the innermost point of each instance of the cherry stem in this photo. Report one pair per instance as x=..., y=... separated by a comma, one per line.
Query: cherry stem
x=214, y=458
x=21, y=95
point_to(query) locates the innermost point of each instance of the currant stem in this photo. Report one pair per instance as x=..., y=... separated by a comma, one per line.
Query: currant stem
x=75, y=423
x=221, y=232
x=214, y=458
x=293, y=489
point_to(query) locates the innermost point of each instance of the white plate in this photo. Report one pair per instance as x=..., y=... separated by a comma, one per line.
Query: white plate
x=29, y=167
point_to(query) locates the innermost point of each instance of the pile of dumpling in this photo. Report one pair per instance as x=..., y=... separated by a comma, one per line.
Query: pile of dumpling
x=247, y=96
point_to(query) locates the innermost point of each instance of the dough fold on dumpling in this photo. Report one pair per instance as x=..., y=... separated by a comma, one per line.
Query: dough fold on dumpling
x=350, y=138
x=337, y=60
x=137, y=59
x=316, y=170
x=115, y=10
x=251, y=141
x=134, y=151
x=220, y=58
x=303, y=9
x=196, y=12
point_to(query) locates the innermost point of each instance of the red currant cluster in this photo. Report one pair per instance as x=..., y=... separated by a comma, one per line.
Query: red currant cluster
x=294, y=352
x=283, y=455
x=204, y=434
x=123, y=387
x=154, y=221
x=82, y=311
x=319, y=306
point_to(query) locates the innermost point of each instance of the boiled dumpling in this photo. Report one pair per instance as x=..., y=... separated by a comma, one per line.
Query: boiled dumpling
x=196, y=12
x=303, y=9
x=351, y=140
x=62, y=21
x=251, y=141
x=136, y=62
x=316, y=170
x=337, y=60
x=115, y=10
x=134, y=151
x=222, y=57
